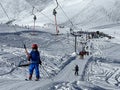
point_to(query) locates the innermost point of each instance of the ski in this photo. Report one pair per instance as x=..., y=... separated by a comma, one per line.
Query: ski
x=27, y=79
x=30, y=80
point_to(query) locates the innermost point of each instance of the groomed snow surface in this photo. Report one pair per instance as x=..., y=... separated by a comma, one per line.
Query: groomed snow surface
x=98, y=71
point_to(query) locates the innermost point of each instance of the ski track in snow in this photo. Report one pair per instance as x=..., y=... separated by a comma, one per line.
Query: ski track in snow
x=66, y=75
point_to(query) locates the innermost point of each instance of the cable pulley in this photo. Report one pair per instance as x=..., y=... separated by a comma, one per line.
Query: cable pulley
x=34, y=17
x=54, y=12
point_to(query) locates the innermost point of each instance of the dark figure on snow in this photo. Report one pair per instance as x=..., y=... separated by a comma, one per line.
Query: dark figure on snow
x=34, y=61
x=81, y=53
x=76, y=70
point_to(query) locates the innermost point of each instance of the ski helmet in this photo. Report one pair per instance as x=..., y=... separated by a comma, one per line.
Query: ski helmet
x=34, y=46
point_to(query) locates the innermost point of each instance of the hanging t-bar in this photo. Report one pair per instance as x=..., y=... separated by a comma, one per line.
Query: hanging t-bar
x=54, y=12
x=34, y=18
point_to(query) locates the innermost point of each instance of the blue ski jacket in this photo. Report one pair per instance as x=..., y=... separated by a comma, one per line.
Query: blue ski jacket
x=35, y=57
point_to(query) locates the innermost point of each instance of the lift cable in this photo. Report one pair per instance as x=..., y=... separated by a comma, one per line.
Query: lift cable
x=41, y=13
x=4, y=11
x=67, y=17
x=13, y=25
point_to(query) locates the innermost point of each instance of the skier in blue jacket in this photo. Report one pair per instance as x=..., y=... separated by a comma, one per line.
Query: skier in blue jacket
x=34, y=61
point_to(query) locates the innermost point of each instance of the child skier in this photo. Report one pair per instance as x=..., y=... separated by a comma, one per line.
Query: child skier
x=34, y=61
x=76, y=70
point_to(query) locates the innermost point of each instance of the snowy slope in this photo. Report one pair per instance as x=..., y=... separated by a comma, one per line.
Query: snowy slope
x=98, y=71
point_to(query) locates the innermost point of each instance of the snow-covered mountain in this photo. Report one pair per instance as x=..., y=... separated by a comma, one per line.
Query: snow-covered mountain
x=84, y=12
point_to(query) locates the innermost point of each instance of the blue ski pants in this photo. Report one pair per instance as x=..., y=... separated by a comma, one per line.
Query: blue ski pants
x=36, y=67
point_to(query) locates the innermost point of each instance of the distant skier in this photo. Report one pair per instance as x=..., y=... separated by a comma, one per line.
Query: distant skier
x=81, y=53
x=34, y=61
x=76, y=70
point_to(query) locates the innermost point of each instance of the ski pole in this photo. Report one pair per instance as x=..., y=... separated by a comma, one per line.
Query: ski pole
x=26, y=51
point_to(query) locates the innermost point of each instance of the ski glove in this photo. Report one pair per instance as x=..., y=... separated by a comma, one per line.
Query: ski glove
x=40, y=62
